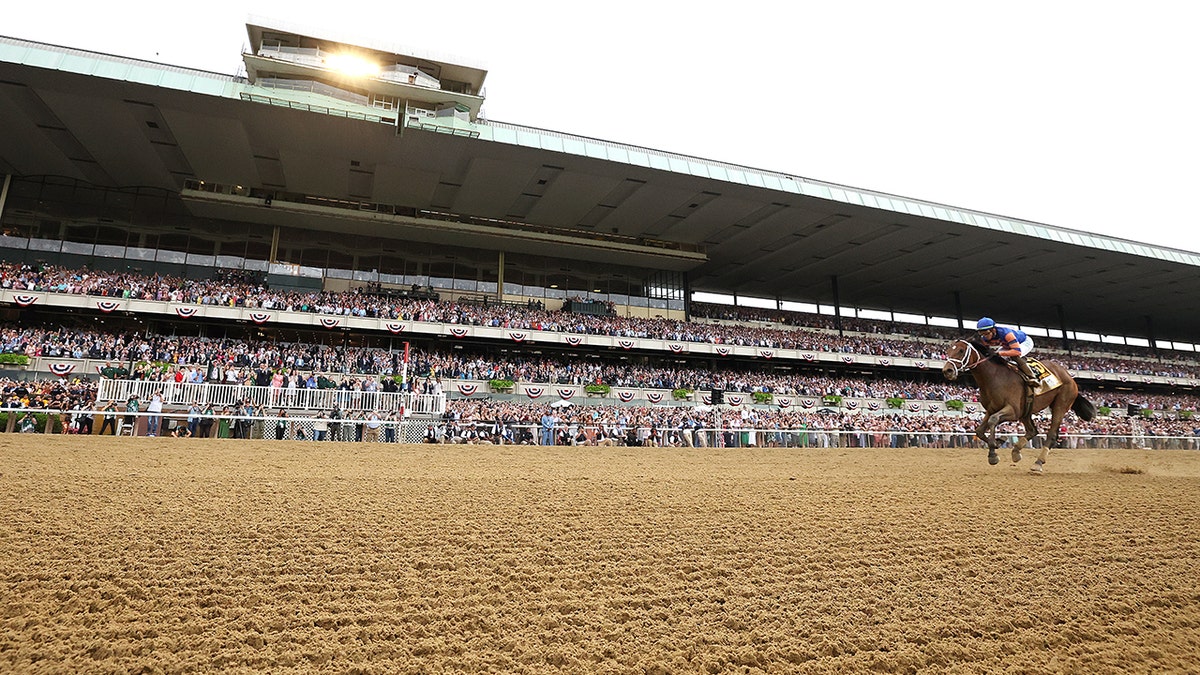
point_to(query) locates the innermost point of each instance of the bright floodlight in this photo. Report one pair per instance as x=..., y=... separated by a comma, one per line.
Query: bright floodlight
x=352, y=65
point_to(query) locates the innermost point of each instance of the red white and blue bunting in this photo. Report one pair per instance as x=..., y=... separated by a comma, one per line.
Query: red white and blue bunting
x=186, y=312
x=766, y=353
x=260, y=317
x=807, y=403
x=394, y=326
x=723, y=351
x=458, y=331
x=734, y=399
x=62, y=369
x=885, y=362
x=873, y=405
x=809, y=357
x=626, y=344
x=847, y=358
x=971, y=409
x=24, y=300
x=625, y=396
x=573, y=340
x=654, y=396
x=518, y=336
x=330, y=322
x=107, y=306
x=932, y=407
x=566, y=394
x=467, y=389
x=783, y=401
x=675, y=348
x=853, y=405
x=535, y=392
x=914, y=407
x=921, y=364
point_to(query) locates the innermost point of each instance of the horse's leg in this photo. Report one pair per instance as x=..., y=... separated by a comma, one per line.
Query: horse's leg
x=1058, y=410
x=1029, y=437
x=987, y=432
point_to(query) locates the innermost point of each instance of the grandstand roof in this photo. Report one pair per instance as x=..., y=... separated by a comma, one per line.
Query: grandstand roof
x=116, y=121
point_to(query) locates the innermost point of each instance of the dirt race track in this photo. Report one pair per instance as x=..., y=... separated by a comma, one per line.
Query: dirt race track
x=166, y=555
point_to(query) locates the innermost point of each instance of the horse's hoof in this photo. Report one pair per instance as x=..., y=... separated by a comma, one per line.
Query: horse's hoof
x=1016, y=455
x=1036, y=468
x=993, y=458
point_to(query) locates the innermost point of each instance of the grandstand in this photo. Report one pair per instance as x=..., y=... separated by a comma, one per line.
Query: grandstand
x=357, y=213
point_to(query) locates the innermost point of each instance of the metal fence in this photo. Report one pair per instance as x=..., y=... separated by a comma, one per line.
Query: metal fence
x=230, y=395
x=392, y=428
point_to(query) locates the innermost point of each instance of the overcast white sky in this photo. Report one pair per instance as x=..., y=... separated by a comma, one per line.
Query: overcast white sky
x=1076, y=114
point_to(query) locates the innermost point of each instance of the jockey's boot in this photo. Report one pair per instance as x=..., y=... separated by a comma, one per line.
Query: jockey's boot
x=1026, y=371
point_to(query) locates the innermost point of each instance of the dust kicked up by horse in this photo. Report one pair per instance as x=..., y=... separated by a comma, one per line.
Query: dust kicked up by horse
x=1005, y=396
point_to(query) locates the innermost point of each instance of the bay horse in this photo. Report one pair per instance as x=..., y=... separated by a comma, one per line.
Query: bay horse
x=1003, y=392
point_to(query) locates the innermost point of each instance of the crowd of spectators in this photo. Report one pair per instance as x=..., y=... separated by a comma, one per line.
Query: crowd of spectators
x=262, y=363
x=726, y=325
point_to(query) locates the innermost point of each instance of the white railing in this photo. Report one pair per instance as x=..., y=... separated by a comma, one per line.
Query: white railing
x=221, y=395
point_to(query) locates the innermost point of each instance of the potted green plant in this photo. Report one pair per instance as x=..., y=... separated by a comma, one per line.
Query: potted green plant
x=502, y=386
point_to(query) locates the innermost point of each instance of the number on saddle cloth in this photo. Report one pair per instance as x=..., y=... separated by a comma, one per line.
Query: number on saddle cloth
x=1039, y=371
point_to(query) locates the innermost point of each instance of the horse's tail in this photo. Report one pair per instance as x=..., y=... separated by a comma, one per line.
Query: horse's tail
x=1084, y=408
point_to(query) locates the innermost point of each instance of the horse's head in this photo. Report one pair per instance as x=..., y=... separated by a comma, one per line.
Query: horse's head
x=961, y=356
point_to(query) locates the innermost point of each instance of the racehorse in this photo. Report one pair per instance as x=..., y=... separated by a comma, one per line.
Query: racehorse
x=1003, y=392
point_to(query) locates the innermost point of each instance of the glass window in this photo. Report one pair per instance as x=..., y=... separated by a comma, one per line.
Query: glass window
x=596, y=150
x=76, y=248
x=528, y=139
x=639, y=158
x=504, y=135
x=44, y=245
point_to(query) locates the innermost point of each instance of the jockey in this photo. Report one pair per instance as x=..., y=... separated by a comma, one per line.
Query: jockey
x=1009, y=342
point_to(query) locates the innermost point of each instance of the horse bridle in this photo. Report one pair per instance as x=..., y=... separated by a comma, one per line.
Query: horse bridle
x=965, y=363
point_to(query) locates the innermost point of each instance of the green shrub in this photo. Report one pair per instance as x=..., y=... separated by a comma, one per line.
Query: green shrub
x=895, y=402
x=763, y=397
x=954, y=404
x=1104, y=411
x=681, y=394
x=499, y=384
x=14, y=359
x=40, y=418
x=1186, y=414
x=1147, y=413
x=602, y=389
x=831, y=399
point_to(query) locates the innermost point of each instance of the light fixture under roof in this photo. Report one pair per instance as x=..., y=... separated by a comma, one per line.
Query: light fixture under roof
x=351, y=64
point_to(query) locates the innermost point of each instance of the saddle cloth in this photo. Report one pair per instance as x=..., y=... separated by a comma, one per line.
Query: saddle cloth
x=1047, y=380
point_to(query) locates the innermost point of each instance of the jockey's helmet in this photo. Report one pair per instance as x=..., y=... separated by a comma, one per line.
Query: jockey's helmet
x=985, y=323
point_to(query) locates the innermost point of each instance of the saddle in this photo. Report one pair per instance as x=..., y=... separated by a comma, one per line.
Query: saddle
x=1047, y=380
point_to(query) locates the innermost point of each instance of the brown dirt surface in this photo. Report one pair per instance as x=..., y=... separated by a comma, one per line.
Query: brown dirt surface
x=192, y=555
